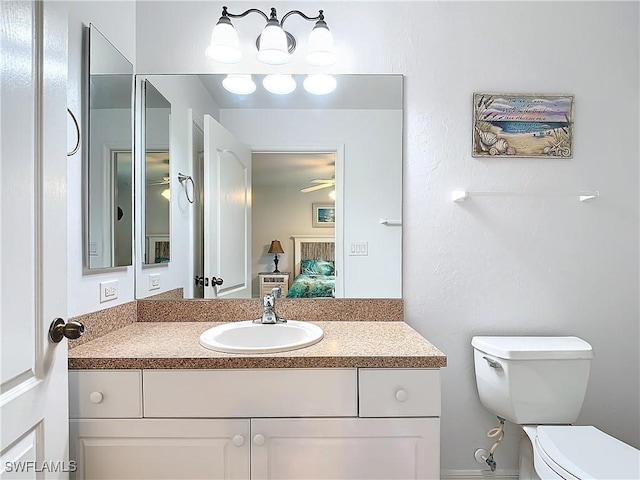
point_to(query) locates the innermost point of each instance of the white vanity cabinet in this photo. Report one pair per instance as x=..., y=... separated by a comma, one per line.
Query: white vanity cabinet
x=340, y=423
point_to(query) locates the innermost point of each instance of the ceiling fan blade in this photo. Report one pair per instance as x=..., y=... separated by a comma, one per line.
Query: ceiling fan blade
x=322, y=180
x=316, y=187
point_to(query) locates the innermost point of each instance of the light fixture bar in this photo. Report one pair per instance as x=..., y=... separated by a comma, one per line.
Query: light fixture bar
x=274, y=44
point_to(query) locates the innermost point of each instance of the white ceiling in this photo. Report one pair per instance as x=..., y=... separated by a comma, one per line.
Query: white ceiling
x=290, y=169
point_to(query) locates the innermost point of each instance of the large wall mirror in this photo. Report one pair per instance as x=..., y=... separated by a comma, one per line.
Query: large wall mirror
x=325, y=184
x=107, y=160
x=156, y=118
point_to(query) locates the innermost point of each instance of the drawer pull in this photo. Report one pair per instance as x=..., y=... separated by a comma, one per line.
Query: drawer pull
x=258, y=440
x=238, y=440
x=96, y=397
x=402, y=395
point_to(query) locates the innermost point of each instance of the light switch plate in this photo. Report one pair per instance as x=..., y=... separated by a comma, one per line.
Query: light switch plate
x=359, y=249
x=108, y=291
x=154, y=281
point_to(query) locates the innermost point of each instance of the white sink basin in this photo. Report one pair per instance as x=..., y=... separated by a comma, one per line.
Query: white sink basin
x=249, y=337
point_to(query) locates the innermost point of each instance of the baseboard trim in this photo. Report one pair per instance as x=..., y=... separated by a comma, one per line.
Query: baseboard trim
x=478, y=474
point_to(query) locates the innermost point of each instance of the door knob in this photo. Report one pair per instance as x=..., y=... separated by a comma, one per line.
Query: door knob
x=216, y=281
x=59, y=329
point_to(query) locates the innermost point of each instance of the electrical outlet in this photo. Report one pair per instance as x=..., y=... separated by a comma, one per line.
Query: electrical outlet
x=108, y=291
x=154, y=281
x=359, y=249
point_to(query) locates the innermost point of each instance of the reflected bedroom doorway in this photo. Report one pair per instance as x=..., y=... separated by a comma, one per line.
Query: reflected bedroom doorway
x=290, y=193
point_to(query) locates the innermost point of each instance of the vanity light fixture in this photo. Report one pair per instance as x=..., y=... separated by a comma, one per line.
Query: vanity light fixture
x=239, y=84
x=279, y=84
x=275, y=45
x=320, y=84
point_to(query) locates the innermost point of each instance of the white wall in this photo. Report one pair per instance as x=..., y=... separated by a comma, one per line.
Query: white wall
x=372, y=164
x=277, y=214
x=184, y=93
x=503, y=266
x=116, y=20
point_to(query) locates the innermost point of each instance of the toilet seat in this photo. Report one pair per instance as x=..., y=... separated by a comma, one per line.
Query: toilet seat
x=584, y=452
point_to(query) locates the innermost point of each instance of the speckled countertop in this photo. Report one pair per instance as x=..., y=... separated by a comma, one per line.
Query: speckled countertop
x=346, y=344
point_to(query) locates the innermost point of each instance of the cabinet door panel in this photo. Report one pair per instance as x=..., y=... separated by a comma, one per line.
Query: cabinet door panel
x=371, y=448
x=160, y=449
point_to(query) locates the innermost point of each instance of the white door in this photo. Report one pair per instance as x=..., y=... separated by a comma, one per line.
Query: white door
x=227, y=219
x=33, y=224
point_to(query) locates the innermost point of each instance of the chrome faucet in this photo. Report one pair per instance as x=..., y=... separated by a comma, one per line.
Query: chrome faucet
x=268, y=304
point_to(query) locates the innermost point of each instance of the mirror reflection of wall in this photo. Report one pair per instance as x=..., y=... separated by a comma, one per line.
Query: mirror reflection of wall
x=108, y=200
x=157, y=195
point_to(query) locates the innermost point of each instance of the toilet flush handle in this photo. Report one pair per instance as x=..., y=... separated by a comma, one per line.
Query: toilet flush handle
x=492, y=363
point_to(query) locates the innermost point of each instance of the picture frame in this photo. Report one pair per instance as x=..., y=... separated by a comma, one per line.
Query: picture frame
x=522, y=125
x=324, y=215
x=158, y=249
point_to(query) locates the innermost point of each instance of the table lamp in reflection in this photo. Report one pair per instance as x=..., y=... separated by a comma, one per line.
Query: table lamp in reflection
x=275, y=248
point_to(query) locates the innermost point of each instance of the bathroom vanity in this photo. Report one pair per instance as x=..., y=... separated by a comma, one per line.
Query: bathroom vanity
x=146, y=401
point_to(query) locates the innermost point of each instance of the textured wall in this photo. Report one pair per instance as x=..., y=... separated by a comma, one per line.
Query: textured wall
x=543, y=265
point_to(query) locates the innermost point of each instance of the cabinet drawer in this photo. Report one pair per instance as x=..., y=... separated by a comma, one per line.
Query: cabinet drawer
x=105, y=394
x=397, y=392
x=250, y=393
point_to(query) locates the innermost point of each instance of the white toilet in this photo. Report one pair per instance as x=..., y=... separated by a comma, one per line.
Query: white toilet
x=540, y=383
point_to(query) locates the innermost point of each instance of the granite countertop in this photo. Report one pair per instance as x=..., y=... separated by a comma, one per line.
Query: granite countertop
x=174, y=345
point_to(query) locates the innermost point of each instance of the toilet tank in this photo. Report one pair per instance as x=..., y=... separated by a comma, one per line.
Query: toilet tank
x=532, y=380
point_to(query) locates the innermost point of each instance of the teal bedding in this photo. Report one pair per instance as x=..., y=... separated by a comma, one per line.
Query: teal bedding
x=312, y=286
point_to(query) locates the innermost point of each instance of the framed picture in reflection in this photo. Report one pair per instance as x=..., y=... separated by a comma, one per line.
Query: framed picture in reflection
x=324, y=215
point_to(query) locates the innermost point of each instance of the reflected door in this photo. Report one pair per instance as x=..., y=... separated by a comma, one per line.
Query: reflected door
x=33, y=234
x=227, y=219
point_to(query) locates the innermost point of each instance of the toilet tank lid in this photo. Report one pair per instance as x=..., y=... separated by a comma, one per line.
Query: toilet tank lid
x=533, y=348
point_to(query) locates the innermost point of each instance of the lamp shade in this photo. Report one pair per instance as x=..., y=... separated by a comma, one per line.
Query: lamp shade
x=274, y=47
x=320, y=51
x=275, y=247
x=225, y=45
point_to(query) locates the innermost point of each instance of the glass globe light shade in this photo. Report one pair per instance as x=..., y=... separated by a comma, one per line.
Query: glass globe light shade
x=239, y=84
x=320, y=46
x=320, y=84
x=274, y=48
x=225, y=45
x=279, y=84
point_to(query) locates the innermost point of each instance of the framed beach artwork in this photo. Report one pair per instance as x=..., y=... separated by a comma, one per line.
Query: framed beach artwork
x=522, y=125
x=324, y=215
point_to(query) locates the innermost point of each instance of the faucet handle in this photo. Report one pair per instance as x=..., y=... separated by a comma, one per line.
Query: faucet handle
x=268, y=301
x=276, y=292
